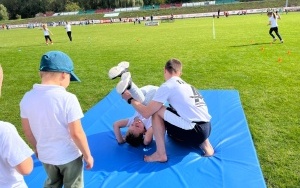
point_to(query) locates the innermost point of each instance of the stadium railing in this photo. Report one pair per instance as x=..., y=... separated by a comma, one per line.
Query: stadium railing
x=86, y=12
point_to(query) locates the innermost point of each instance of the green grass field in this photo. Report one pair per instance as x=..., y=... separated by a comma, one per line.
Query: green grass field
x=241, y=57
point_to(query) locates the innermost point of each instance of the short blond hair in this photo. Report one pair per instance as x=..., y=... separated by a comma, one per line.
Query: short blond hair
x=49, y=75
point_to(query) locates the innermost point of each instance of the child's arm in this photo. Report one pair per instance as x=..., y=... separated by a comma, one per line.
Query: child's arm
x=50, y=32
x=28, y=134
x=117, y=126
x=1, y=78
x=278, y=16
x=25, y=167
x=79, y=137
x=148, y=136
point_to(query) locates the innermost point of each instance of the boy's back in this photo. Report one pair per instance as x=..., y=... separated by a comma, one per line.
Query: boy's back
x=51, y=120
x=49, y=109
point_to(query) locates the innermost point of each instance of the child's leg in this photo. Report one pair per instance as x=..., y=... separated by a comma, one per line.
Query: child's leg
x=136, y=93
x=149, y=92
x=277, y=33
x=126, y=83
x=69, y=35
x=270, y=32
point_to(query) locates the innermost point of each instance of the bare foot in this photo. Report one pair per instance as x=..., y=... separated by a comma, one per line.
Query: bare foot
x=155, y=157
x=207, y=148
x=209, y=152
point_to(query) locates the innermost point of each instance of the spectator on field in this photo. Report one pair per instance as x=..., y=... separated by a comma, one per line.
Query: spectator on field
x=69, y=30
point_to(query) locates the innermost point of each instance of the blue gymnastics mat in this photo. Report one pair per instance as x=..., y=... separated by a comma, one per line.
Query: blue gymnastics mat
x=234, y=165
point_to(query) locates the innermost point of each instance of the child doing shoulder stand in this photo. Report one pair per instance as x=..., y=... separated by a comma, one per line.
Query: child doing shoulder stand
x=139, y=128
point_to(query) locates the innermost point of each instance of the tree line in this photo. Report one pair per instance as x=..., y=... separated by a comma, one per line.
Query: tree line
x=29, y=8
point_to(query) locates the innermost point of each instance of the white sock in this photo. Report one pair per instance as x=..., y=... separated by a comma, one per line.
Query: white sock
x=136, y=93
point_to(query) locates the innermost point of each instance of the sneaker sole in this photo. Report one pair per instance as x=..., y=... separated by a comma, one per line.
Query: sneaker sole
x=123, y=84
x=117, y=71
x=124, y=64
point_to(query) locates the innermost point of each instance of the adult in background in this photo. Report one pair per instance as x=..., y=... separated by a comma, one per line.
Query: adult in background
x=69, y=31
x=15, y=154
x=187, y=119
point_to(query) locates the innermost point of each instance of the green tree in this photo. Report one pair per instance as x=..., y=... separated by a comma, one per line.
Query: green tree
x=3, y=12
x=71, y=6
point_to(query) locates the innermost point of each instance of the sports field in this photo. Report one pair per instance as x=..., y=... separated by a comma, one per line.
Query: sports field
x=225, y=53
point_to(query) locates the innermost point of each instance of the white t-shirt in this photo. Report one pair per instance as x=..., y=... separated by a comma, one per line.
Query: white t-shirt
x=273, y=22
x=68, y=27
x=49, y=109
x=149, y=92
x=147, y=122
x=13, y=151
x=46, y=32
x=184, y=98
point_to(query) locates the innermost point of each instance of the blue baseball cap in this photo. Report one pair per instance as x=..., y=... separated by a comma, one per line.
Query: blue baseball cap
x=57, y=61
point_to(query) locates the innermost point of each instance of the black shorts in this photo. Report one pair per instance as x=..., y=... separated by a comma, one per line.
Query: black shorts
x=195, y=136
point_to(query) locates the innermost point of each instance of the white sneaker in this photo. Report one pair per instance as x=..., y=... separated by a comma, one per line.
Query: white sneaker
x=274, y=39
x=117, y=71
x=125, y=83
x=281, y=41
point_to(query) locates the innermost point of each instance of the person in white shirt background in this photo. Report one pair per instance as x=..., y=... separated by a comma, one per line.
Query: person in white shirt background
x=69, y=31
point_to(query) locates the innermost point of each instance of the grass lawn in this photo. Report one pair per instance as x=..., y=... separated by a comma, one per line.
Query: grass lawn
x=241, y=57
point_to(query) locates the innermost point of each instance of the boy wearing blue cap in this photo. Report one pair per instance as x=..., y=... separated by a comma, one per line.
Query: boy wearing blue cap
x=51, y=123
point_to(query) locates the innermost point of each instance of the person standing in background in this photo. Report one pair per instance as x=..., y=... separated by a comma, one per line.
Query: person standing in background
x=69, y=31
x=47, y=33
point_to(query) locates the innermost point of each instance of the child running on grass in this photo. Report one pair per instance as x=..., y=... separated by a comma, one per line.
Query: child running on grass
x=273, y=26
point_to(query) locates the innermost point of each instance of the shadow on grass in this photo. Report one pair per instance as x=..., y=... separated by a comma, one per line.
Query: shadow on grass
x=253, y=44
x=29, y=46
